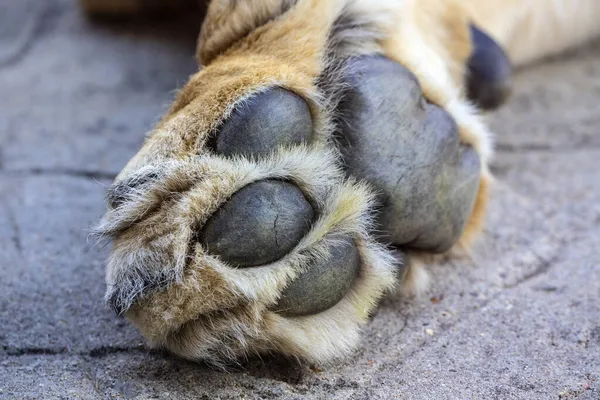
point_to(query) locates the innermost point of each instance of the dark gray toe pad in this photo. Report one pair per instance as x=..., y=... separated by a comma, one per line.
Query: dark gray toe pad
x=264, y=122
x=259, y=224
x=323, y=284
x=489, y=80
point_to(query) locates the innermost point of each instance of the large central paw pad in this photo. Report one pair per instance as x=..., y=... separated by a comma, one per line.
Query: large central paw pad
x=410, y=150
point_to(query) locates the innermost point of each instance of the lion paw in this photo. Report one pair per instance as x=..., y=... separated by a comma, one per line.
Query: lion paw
x=253, y=218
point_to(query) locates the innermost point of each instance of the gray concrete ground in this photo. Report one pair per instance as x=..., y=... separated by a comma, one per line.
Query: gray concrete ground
x=519, y=321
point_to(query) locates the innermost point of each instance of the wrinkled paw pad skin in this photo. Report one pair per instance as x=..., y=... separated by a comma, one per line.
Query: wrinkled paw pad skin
x=260, y=224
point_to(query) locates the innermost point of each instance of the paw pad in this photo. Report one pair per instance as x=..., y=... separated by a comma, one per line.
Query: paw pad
x=259, y=224
x=410, y=151
x=324, y=283
x=267, y=120
x=489, y=82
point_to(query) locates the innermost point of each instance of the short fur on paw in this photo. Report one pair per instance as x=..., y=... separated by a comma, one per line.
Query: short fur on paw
x=245, y=223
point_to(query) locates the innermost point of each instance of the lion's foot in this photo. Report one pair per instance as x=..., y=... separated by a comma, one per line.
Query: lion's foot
x=243, y=225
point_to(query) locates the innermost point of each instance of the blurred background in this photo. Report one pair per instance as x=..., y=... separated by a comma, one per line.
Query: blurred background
x=521, y=320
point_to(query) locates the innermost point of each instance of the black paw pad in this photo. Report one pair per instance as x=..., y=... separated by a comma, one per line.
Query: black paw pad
x=260, y=224
x=489, y=84
x=259, y=125
x=410, y=151
x=323, y=284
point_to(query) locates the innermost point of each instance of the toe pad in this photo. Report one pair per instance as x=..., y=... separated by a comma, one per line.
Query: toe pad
x=323, y=284
x=489, y=84
x=267, y=120
x=260, y=224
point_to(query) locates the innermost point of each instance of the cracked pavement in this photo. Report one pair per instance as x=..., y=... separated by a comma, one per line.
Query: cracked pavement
x=519, y=320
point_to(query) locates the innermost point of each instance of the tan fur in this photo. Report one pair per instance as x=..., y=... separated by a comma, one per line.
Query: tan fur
x=528, y=29
x=204, y=309
x=228, y=20
x=208, y=287
x=532, y=29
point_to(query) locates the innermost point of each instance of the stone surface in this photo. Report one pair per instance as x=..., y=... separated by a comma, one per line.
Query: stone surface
x=323, y=284
x=410, y=151
x=518, y=321
x=259, y=224
x=257, y=126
